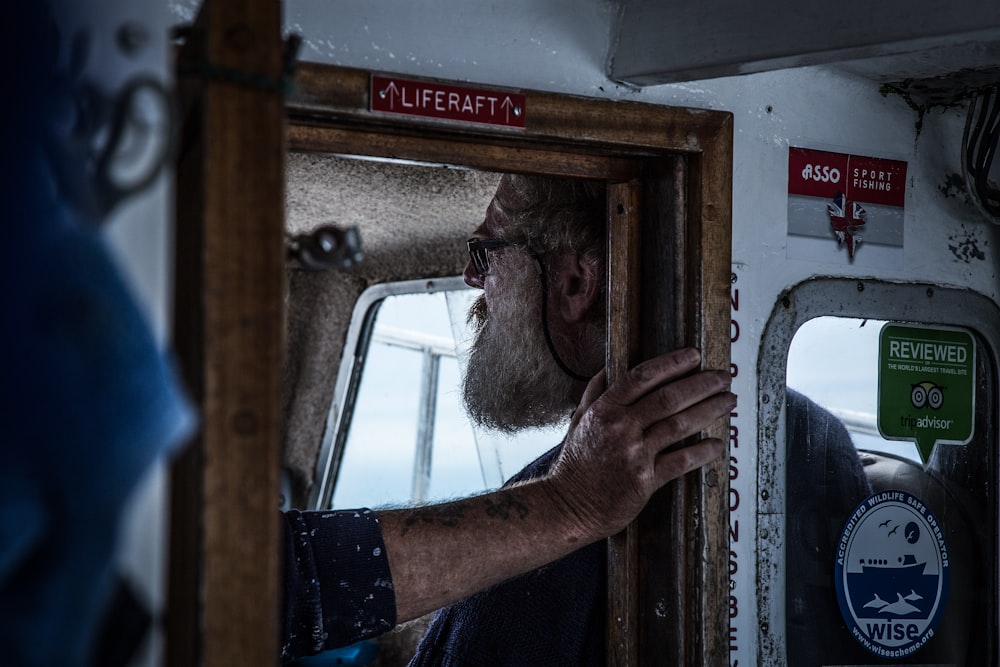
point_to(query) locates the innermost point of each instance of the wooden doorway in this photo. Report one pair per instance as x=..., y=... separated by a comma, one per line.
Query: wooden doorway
x=668, y=173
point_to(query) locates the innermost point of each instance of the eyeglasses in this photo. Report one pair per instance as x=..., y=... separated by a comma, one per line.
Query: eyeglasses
x=479, y=252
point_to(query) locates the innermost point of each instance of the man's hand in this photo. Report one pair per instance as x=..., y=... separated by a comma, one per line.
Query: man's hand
x=620, y=445
x=617, y=453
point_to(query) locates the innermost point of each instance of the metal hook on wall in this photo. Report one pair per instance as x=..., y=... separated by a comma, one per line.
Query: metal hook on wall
x=109, y=145
x=327, y=247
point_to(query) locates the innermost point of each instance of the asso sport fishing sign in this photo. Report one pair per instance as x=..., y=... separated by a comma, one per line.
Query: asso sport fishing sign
x=838, y=200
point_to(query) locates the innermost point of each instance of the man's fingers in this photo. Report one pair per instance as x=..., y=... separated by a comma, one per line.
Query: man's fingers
x=652, y=373
x=619, y=439
x=688, y=421
x=672, y=401
x=678, y=462
x=672, y=463
x=594, y=389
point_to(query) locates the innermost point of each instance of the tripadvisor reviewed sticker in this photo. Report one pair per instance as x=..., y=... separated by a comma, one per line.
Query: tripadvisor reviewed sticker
x=926, y=389
x=892, y=574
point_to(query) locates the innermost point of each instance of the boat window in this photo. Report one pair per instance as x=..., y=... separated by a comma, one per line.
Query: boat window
x=890, y=470
x=834, y=361
x=405, y=436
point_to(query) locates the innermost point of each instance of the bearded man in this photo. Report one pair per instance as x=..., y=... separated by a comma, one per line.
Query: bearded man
x=538, y=257
x=545, y=237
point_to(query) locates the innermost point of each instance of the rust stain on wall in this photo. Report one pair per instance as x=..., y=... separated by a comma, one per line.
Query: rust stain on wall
x=965, y=245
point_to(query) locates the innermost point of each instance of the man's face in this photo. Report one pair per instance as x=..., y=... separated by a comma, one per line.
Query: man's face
x=511, y=381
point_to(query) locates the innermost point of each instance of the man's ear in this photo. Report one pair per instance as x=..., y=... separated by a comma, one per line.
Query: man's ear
x=576, y=286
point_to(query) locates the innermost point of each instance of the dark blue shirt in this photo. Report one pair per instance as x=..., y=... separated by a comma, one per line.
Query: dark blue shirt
x=338, y=588
x=551, y=616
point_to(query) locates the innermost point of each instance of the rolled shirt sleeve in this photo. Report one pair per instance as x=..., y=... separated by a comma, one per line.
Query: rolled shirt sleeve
x=337, y=584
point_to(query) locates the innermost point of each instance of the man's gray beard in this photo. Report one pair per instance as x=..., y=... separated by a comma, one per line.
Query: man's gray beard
x=511, y=381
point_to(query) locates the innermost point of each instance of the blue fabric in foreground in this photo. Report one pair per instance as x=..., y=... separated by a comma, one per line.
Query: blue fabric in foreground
x=88, y=400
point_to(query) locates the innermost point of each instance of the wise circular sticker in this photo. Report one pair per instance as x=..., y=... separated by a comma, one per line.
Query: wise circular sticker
x=892, y=574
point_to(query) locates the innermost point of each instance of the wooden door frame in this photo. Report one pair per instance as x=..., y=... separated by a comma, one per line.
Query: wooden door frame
x=669, y=175
x=224, y=587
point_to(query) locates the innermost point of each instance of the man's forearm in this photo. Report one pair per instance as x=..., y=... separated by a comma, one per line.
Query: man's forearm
x=442, y=553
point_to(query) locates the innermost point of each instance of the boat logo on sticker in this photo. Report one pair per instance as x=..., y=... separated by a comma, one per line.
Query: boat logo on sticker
x=892, y=574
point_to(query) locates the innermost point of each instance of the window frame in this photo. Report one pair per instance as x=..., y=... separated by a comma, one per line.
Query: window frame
x=359, y=336
x=922, y=303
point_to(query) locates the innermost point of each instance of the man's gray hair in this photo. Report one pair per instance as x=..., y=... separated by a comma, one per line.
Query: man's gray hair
x=553, y=214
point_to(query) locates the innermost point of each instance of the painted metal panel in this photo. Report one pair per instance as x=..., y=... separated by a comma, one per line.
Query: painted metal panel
x=663, y=42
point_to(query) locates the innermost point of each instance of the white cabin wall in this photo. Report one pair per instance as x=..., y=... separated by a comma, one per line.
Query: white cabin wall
x=137, y=229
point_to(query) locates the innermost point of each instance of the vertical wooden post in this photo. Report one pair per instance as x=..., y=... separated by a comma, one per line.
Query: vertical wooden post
x=622, y=346
x=707, y=260
x=663, y=564
x=667, y=574
x=683, y=533
x=225, y=535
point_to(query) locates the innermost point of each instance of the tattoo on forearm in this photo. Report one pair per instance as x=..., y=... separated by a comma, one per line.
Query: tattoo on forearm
x=506, y=508
x=447, y=515
x=451, y=516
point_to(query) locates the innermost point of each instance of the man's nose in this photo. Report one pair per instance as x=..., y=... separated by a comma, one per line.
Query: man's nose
x=471, y=276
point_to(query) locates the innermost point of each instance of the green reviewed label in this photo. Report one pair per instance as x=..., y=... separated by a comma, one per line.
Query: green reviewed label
x=926, y=385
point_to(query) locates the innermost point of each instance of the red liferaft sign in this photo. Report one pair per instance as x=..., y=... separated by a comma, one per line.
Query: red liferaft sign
x=445, y=101
x=815, y=173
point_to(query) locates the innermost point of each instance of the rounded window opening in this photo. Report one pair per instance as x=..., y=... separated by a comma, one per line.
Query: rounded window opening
x=890, y=506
